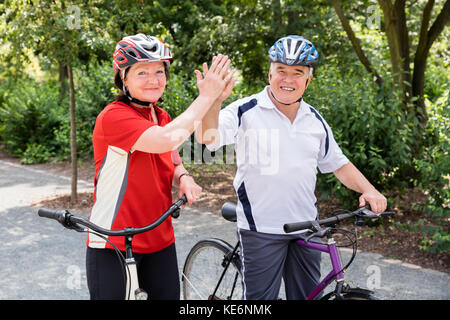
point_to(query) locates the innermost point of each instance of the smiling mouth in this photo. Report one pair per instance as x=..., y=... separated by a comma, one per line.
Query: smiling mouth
x=151, y=89
x=287, y=89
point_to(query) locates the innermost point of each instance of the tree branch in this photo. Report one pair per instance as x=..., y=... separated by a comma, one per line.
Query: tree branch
x=423, y=35
x=426, y=39
x=391, y=23
x=355, y=42
x=439, y=24
x=402, y=33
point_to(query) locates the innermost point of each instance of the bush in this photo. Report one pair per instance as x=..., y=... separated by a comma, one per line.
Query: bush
x=434, y=177
x=36, y=153
x=30, y=112
x=94, y=90
x=369, y=125
x=35, y=123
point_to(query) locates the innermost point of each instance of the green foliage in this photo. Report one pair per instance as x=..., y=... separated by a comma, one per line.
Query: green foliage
x=374, y=126
x=36, y=153
x=35, y=123
x=368, y=124
x=180, y=92
x=29, y=114
x=434, y=177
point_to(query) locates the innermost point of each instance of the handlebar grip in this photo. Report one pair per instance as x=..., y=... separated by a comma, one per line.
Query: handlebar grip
x=296, y=226
x=58, y=215
x=176, y=213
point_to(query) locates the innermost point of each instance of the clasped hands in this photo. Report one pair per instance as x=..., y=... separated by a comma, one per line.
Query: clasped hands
x=216, y=81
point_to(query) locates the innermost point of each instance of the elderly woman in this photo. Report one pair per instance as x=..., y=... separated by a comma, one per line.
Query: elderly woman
x=136, y=160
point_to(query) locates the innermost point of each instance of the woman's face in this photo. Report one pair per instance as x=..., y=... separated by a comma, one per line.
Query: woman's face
x=146, y=81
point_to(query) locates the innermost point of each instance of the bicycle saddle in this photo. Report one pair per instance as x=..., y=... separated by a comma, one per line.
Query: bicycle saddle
x=229, y=211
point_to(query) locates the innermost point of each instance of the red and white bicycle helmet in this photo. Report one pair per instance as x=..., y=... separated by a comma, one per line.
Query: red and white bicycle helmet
x=140, y=48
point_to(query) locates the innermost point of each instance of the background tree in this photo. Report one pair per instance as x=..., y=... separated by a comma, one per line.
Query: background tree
x=382, y=82
x=410, y=81
x=61, y=32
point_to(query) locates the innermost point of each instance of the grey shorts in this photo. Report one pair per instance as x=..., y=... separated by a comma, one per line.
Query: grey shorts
x=267, y=258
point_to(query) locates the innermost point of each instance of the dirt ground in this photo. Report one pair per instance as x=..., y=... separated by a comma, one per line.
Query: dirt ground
x=217, y=186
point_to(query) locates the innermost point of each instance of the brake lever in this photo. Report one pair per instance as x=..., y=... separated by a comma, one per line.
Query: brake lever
x=319, y=233
x=365, y=213
x=72, y=225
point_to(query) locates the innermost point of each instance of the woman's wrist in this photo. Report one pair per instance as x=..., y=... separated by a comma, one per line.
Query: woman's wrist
x=183, y=175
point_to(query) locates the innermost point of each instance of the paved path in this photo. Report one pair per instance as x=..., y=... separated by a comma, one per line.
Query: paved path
x=42, y=260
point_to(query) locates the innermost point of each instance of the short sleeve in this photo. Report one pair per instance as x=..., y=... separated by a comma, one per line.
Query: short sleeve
x=122, y=127
x=331, y=156
x=228, y=127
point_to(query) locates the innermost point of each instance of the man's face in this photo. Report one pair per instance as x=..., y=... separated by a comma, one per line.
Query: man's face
x=288, y=82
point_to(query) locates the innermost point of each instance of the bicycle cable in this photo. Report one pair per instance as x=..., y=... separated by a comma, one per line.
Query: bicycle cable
x=125, y=269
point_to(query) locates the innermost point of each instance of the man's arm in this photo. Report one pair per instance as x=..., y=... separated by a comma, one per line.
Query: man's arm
x=207, y=132
x=353, y=179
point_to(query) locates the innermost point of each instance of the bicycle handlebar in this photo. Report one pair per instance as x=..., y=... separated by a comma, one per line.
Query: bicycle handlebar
x=72, y=222
x=362, y=213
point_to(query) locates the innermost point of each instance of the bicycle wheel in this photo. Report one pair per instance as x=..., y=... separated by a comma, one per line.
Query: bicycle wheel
x=357, y=294
x=205, y=265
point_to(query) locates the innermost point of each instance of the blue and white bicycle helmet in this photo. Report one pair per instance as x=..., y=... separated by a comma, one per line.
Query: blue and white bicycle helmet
x=294, y=51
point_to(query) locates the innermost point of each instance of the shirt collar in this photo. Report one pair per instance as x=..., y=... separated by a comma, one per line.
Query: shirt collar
x=265, y=102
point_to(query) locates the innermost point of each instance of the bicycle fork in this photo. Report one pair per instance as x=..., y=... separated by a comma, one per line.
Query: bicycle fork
x=132, y=290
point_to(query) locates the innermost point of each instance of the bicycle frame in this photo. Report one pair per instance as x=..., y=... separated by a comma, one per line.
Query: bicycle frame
x=330, y=248
x=336, y=272
x=318, y=229
x=69, y=221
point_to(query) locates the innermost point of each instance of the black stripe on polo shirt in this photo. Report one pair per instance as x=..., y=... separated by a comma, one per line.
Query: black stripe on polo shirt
x=243, y=198
x=327, y=142
x=244, y=108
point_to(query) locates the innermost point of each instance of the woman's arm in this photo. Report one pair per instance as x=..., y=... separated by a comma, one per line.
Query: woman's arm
x=186, y=184
x=162, y=139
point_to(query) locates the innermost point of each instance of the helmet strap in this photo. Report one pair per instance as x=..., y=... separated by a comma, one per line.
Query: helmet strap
x=137, y=101
x=286, y=104
x=128, y=95
x=140, y=102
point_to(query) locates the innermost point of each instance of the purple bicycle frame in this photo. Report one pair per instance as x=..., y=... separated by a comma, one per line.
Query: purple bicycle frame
x=337, y=273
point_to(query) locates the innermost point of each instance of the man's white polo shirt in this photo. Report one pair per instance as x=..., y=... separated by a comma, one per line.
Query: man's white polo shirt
x=277, y=161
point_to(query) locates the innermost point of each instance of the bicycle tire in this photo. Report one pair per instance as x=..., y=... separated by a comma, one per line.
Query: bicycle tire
x=351, y=296
x=203, y=268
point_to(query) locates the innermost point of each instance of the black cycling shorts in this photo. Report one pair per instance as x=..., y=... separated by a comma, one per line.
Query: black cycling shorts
x=157, y=274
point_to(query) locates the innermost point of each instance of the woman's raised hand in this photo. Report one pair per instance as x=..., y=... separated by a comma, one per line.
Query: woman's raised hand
x=216, y=81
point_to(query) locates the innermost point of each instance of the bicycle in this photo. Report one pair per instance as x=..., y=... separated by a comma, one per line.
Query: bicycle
x=206, y=273
x=78, y=224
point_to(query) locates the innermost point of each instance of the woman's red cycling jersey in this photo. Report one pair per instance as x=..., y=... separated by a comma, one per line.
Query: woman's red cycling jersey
x=132, y=188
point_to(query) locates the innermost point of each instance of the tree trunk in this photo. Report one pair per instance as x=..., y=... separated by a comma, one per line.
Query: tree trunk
x=62, y=80
x=426, y=39
x=403, y=41
x=355, y=42
x=391, y=25
x=73, y=137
